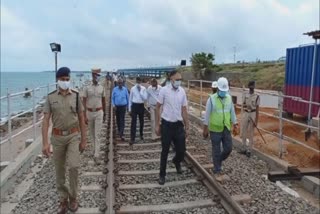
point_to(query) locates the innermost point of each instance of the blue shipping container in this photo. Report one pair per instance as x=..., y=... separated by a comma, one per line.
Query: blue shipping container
x=299, y=66
x=299, y=62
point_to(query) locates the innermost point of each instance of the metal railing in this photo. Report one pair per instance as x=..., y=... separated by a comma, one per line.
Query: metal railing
x=10, y=117
x=280, y=96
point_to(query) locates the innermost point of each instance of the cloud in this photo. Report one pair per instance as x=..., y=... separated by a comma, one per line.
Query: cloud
x=115, y=34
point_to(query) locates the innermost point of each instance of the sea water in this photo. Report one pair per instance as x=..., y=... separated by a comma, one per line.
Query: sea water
x=14, y=82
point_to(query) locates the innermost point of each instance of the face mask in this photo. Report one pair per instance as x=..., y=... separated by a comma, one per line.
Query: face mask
x=222, y=93
x=98, y=78
x=64, y=85
x=154, y=88
x=168, y=82
x=176, y=83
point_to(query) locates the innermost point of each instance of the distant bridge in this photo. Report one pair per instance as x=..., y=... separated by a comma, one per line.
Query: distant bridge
x=147, y=72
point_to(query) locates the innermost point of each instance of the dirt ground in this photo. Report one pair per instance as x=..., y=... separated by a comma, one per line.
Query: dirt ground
x=294, y=153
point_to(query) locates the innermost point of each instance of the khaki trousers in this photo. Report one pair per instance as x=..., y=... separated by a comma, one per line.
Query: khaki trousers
x=66, y=151
x=247, y=129
x=95, y=124
x=153, y=121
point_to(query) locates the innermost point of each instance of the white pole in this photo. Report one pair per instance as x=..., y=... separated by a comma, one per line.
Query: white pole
x=34, y=115
x=281, y=150
x=312, y=80
x=200, y=97
x=9, y=123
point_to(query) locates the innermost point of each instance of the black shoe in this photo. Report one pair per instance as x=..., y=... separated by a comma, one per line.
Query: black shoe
x=242, y=152
x=141, y=138
x=131, y=142
x=162, y=180
x=178, y=168
x=248, y=154
x=122, y=139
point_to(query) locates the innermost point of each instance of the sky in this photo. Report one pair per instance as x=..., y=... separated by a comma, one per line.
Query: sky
x=113, y=34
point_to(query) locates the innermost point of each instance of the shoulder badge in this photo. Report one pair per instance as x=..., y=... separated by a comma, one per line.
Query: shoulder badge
x=52, y=92
x=74, y=91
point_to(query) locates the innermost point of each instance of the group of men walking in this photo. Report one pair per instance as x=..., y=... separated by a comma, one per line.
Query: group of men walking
x=169, y=119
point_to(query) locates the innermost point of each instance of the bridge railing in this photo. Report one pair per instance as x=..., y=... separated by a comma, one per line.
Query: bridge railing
x=279, y=99
x=8, y=99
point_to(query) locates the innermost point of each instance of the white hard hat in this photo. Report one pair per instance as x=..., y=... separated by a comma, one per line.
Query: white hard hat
x=214, y=84
x=223, y=84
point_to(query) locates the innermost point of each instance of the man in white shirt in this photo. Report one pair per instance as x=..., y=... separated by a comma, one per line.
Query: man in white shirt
x=153, y=93
x=174, y=123
x=138, y=94
x=115, y=79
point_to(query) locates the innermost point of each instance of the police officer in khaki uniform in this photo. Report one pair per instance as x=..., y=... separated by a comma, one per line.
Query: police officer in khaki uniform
x=94, y=102
x=64, y=107
x=250, y=117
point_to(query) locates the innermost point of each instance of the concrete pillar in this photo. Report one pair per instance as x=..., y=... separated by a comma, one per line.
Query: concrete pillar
x=28, y=142
x=3, y=164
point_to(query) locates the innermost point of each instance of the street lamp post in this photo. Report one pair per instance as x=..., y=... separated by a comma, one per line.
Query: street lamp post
x=55, y=47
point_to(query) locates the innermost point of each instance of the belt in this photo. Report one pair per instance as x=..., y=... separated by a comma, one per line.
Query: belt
x=253, y=110
x=171, y=123
x=61, y=132
x=94, y=109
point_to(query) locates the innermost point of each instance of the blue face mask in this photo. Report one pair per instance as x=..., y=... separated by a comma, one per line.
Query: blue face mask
x=222, y=93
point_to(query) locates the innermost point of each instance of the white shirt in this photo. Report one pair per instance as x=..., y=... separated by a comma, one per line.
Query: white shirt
x=137, y=96
x=115, y=78
x=153, y=95
x=172, y=101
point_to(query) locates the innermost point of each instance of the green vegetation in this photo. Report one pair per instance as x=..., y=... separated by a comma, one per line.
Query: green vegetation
x=202, y=64
x=267, y=75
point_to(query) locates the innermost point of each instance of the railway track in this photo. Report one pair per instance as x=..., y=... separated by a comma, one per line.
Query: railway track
x=126, y=178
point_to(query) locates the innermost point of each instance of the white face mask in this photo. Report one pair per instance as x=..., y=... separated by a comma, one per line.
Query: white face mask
x=176, y=83
x=64, y=85
x=154, y=88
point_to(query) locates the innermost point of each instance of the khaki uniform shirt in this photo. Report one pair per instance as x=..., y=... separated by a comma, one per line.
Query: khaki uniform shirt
x=94, y=93
x=63, y=109
x=251, y=101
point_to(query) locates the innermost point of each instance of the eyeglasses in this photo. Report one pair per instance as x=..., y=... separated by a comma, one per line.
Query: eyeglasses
x=179, y=79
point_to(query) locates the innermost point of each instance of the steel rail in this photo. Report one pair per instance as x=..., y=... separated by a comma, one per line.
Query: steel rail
x=110, y=191
x=227, y=202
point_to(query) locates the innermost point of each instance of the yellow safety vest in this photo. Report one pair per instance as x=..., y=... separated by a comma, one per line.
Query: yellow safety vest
x=220, y=117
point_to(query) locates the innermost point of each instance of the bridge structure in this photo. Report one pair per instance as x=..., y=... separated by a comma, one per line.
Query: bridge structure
x=147, y=72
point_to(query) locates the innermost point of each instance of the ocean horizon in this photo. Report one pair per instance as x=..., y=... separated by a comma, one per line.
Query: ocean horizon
x=18, y=81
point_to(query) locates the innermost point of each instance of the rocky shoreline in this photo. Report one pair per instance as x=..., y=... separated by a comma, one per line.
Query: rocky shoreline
x=20, y=121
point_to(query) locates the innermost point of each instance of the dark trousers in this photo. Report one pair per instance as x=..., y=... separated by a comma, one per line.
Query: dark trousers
x=218, y=156
x=120, y=115
x=137, y=109
x=172, y=132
